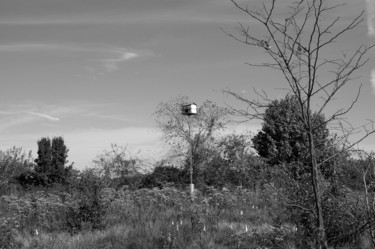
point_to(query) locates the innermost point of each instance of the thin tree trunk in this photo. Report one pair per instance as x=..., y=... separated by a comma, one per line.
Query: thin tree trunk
x=322, y=239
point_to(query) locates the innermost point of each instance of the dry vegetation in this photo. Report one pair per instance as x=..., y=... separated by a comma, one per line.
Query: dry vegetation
x=149, y=218
x=145, y=219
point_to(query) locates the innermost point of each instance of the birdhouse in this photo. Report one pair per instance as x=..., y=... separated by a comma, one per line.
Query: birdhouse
x=190, y=109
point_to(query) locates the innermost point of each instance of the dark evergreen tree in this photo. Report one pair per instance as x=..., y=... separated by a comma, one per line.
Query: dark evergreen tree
x=43, y=162
x=51, y=160
x=59, y=154
x=283, y=138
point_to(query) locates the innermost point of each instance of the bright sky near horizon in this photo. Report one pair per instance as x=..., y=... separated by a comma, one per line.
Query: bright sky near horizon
x=94, y=71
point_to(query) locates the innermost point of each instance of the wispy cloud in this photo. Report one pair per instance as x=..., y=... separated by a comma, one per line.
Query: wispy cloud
x=112, y=64
x=372, y=79
x=111, y=59
x=44, y=116
x=98, y=59
x=9, y=119
x=371, y=17
x=21, y=116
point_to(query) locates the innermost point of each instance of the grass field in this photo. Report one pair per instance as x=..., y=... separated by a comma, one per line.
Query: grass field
x=149, y=219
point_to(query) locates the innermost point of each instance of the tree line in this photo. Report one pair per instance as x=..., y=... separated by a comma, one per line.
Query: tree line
x=274, y=159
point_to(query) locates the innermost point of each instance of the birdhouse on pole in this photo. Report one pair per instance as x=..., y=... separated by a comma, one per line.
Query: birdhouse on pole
x=190, y=109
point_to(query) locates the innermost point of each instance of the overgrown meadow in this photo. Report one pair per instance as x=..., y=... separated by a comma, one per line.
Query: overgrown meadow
x=148, y=218
x=145, y=218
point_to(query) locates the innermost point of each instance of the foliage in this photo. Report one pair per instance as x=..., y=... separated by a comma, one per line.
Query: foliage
x=7, y=231
x=43, y=162
x=343, y=218
x=356, y=170
x=165, y=175
x=149, y=218
x=231, y=163
x=34, y=211
x=283, y=138
x=59, y=153
x=350, y=176
x=88, y=211
x=234, y=163
x=30, y=179
x=344, y=211
x=82, y=209
x=51, y=161
x=13, y=162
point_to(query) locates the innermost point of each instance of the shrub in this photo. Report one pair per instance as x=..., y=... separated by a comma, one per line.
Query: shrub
x=88, y=211
x=30, y=179
x=343, y=218
x=7, y=230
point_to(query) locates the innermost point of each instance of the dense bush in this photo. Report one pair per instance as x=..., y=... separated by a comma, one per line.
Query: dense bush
x=37, y=210
x=88, y=210
x=13, y=162
x=165, y=175
x=8, y=227
x=30, y=179
x=83, y=208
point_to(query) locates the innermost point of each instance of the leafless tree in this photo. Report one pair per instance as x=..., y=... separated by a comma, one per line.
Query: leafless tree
x=182, y=132
x=119, y=161
x=298, y=45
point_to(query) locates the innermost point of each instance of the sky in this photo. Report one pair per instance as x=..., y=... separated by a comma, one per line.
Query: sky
x=94, y=71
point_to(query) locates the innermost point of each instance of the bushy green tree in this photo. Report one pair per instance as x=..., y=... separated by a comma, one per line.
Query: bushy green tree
x=43, y=162
x=283, y=138
x=59, y=154
x=52, y=160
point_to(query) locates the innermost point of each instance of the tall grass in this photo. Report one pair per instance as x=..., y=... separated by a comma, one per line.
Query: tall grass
x=148, y=219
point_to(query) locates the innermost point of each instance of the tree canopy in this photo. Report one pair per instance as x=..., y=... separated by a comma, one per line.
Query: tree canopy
x=283, y=137
x=52, y=160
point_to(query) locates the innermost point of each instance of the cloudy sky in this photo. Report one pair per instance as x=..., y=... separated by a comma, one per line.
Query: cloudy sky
x=93, y=71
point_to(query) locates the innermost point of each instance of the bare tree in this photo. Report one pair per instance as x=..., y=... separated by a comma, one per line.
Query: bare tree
x=298, y=46
x=198, y=131
x=119, y=161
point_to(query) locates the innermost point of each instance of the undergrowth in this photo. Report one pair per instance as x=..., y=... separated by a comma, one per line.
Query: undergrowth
x=145, y=218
